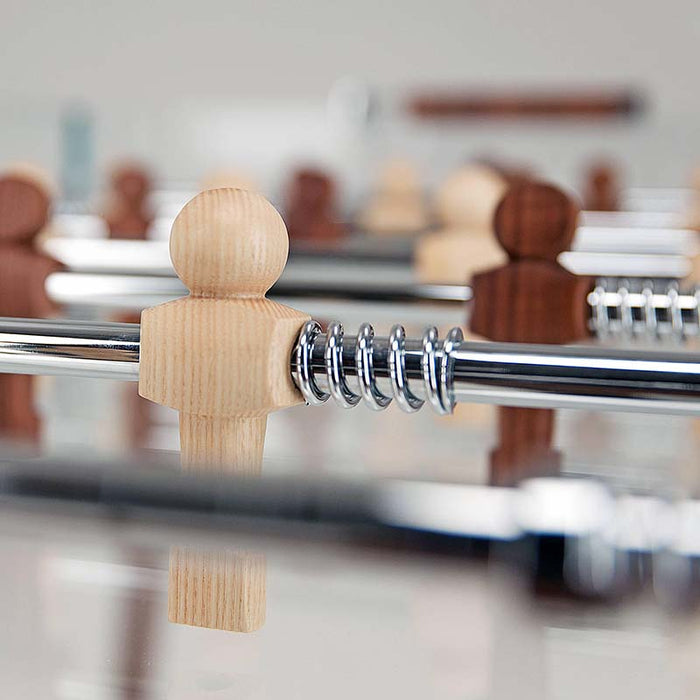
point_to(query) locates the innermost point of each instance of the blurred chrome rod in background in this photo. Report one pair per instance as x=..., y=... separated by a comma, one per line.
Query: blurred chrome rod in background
x=624, y=310
x=412, y=371
x=609, y=543
x=665, y=254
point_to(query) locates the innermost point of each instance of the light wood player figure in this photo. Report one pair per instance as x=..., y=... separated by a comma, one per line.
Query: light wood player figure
x=220, y=356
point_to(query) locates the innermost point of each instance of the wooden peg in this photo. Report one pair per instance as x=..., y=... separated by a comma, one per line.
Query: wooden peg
x=530, y=299
x=602, y=188
x=397, y=206
x=311, y=208
x=25, y=199
x=464, y=204
x=127, y=212
x=220, y=356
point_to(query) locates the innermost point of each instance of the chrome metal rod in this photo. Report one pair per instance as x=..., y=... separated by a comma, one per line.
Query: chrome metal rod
x=101, y=351
x=134, y=292
x=659, y=258
x=644, y=310
x=412, y=371
x=443, y=373
x=630, y=233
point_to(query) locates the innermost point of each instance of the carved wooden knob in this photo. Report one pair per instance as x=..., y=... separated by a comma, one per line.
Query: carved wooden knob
x=535, y=221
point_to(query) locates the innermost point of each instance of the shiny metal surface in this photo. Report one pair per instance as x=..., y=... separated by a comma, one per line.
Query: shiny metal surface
x=617, y=308
x=629, y=233
x=134, y=293
x=443, y=372
x=99, y=350
x=506, y=374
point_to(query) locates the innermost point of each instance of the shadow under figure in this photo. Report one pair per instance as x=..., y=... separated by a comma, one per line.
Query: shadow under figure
x=530, y=299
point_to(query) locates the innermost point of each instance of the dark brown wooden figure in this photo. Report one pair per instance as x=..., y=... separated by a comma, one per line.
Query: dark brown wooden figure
x=127, y=212
x=24, y=211
x=311, y=209
x=602, y=188
x=531, y=299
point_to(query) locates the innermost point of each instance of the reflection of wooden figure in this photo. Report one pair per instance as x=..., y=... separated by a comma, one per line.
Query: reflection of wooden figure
x=530, y=299
x=220, y=356
x=127, y=212
x=602, y=189
x=464, y=205
x=397, y=206
x=24, y=212
x=311, y=209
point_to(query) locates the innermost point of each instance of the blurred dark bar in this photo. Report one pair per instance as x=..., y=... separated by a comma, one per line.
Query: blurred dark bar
x=585, y=104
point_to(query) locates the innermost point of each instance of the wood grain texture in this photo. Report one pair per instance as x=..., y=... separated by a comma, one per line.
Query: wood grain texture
x=311, y=213
x=219, y=590
x=221, y=358
x=530, y=299
x=536, y=221
x=24, y=211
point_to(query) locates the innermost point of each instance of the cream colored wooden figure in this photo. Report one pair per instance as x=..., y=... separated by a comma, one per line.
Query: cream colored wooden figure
x=397, y=207
x=465, y=244
x=220, y=356
x=228, y=177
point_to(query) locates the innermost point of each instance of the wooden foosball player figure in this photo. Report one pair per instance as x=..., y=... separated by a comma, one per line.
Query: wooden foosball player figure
x=127, y=211
x=220, y=357
x=602, y=188
x=530, y=299
x=397, y=206
x=464, y=244
x=129, y=217
x=311, y=213
x=25, y=199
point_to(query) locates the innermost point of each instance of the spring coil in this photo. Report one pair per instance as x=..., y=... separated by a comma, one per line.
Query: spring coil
x=644, y=313
x=437, y=368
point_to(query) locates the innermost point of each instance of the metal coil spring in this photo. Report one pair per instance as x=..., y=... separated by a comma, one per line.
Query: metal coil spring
x=644, y=312
x=436, y=368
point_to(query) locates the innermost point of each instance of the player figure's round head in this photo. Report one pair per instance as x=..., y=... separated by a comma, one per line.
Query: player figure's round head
x=25, y=200
x=228, y=242
x=535, y=220
x=469, y=196
x=131, y=182
x=311, y=188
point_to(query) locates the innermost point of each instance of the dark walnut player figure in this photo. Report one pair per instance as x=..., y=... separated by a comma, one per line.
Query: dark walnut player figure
x=530, y=299
x=311, y=213
x=24, y=212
